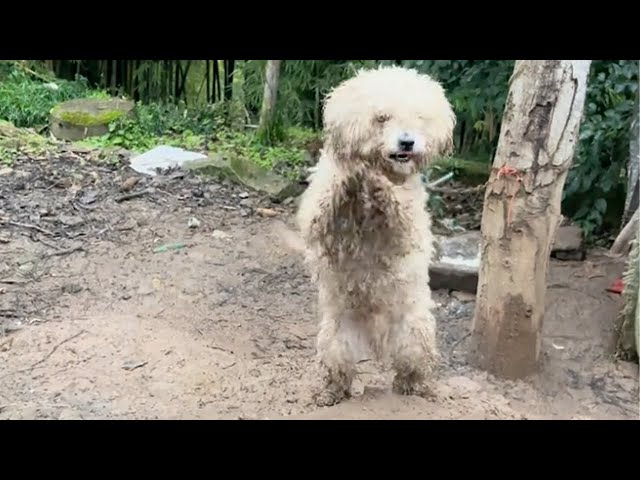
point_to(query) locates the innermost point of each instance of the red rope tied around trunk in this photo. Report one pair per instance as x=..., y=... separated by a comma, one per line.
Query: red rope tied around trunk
x=505, y=171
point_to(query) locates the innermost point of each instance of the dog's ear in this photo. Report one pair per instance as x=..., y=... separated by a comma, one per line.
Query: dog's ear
x=344, y=138
x=446, y=147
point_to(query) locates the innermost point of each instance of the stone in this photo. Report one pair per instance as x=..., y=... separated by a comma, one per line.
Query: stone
x=457, y=260
x=568, y=244
x=70, y=220
x=248, y=174
x=457, y=263
x=6, y=171
x=163, y=157
x=221, y=235
x=463, y=297
x=86, y=117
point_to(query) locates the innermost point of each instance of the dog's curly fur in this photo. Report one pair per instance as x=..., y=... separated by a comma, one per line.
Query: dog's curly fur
x=366, y=232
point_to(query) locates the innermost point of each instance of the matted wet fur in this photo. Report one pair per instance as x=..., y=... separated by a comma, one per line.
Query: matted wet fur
x=366, y=232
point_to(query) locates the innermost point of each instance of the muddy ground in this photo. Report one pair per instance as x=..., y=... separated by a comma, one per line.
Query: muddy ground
x=114, y=307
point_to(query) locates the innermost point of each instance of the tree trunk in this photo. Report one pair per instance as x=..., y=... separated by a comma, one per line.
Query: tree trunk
x=229, y=69
x=629, y=327
x=207, y=77
x=217, y=95
x=521, y=213
x=269, y=99
x=633, y=167
x=622, y=243
x=114, y=77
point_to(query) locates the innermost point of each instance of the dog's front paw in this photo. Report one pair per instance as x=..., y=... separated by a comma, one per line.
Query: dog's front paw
x=406, y=385
x=330, y=395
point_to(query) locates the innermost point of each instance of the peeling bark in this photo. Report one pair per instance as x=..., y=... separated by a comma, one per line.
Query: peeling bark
x=522, y=212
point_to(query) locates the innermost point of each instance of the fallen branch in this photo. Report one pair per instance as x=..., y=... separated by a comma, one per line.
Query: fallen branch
x=31, y=227
x=66, y=252
x=131, y=196
x=459, y=341
x=47, y=356
x=53, y=350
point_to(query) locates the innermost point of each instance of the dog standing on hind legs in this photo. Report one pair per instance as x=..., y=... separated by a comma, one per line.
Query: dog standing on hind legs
x=366, y=232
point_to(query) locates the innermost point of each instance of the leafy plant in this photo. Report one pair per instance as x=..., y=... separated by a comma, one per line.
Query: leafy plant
x=286, y=157
x=595, y=187
x=26, y=101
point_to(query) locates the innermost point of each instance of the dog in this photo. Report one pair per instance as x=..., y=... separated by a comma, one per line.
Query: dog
x=365, y=230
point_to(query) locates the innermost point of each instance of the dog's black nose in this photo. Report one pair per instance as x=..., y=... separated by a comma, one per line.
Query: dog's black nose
x=406, y=144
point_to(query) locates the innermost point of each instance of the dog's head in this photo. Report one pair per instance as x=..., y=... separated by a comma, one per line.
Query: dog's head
x=390, y=118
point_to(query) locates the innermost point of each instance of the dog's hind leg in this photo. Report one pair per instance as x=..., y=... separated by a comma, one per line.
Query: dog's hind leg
x=336, y=355
x=414, y=353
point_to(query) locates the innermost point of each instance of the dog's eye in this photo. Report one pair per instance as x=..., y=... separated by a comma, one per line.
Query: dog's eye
x=381, y=118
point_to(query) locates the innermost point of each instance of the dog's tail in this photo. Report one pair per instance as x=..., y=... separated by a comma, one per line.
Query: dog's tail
x=290, y=239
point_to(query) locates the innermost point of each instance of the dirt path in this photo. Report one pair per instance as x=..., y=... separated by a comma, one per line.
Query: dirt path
x=97, y=325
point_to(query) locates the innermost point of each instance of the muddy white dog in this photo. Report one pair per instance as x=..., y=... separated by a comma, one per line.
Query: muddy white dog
x=366, y=233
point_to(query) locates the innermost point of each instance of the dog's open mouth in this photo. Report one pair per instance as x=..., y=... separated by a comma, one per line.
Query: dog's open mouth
x=400, y=157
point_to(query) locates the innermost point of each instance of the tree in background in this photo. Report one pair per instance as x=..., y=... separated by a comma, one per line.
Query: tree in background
x=272, y=75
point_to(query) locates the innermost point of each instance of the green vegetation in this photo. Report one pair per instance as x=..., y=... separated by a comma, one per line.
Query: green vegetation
x=26, y=101
x=215, y=105
x=14, y=140
x=85, y=119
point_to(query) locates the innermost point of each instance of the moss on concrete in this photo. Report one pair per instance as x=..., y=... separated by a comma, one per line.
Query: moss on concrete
x=86, y=119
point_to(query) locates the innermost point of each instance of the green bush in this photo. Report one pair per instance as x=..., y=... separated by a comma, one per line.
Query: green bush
x=595, y=189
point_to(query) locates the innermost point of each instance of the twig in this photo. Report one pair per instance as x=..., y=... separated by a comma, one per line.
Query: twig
x=47, y=356
x=457, y=342
x=39, y=76
x=131, y=196
x=215, y=347
x=53, y=350
x=66, y=252
x=435, y=183
x=44, y=242
x=32, y=227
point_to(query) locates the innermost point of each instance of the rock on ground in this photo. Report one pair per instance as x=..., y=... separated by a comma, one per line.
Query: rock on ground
x=458, y=257
x=249, y=174
x=568, y=244
x=163, y=157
